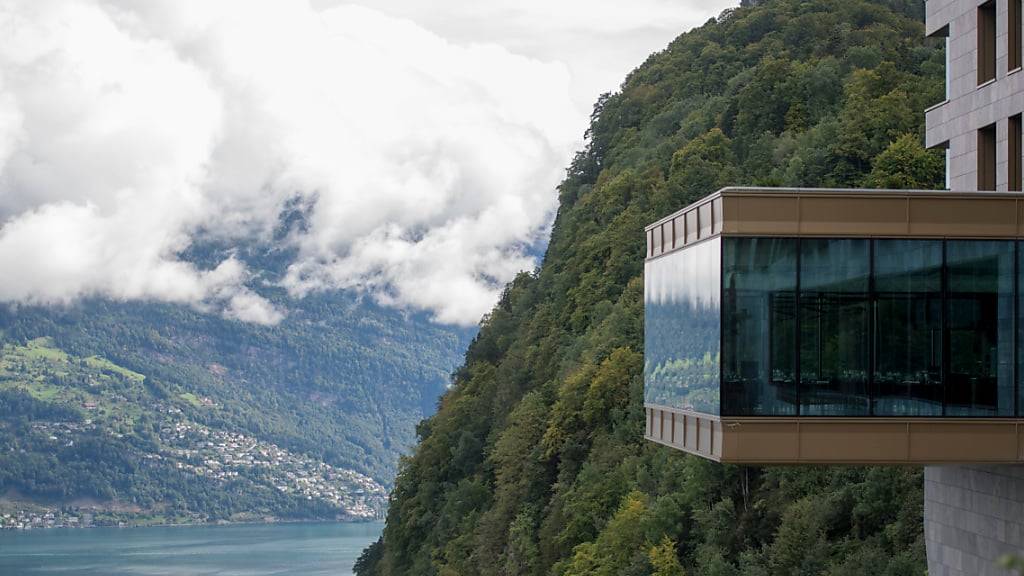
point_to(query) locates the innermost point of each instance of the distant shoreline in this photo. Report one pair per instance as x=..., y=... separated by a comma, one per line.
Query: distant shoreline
x=4, y=530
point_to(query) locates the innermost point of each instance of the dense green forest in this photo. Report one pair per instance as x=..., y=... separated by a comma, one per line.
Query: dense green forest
x=340, y=381
x=535, y=462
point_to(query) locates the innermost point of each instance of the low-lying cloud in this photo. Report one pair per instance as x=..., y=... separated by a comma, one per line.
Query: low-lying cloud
x=426, y=167
x=599, y=40
x=128, y=128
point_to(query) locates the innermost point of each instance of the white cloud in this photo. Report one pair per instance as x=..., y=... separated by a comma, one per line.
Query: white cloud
x=599, y=40
x=128, y=128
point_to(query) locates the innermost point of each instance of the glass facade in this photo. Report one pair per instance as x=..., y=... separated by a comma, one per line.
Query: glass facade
x=907, y=314
x=837, y=327
x=1019, y=290
x=682, y=312
x=759, y=331
x=834, y=329
x=980, y=282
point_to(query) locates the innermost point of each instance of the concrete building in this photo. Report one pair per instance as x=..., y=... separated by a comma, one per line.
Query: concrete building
x=975, y=514
x=867, y=326
x=979, y=123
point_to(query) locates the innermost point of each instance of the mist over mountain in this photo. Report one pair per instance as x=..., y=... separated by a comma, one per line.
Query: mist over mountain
x=245, y=244
x=425, y=168
x=340, y=382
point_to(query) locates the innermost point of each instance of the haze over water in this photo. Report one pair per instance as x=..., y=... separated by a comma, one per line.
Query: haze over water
x=242, y=550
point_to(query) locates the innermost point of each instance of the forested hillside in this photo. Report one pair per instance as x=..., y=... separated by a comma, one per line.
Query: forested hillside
x=535, y=463
x=339, y=378
x=114, y=403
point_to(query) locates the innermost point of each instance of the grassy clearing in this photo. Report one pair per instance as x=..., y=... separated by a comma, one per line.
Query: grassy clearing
x=39, y=390
x=190, y=398
x=41, y=349
x=100, y=363
x=37, y=367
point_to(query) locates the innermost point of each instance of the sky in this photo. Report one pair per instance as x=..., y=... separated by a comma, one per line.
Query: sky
x=422, y=140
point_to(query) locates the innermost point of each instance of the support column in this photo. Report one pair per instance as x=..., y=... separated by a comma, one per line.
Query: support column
x=973, y=515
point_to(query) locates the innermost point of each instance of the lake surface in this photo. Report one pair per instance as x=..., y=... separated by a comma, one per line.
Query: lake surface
x=241, y=550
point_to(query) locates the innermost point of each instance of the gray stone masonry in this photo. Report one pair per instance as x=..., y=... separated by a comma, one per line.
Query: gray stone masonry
x=973, y=515
x=954, y=123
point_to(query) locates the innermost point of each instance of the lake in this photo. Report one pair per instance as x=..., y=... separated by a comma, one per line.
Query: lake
x=235, y=550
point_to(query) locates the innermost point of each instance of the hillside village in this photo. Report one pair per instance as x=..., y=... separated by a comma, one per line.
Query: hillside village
x=213, y=454
x=108, y=402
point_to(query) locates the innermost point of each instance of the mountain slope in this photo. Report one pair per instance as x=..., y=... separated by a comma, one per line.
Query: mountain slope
x=333, y=392
x=535, y=462
x=86, y=436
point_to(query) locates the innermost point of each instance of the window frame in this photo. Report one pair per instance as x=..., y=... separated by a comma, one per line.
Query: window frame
x=1015, y=50
x=1016, y=333
x=986, y=31
x=1014, y=159
x=987, y=162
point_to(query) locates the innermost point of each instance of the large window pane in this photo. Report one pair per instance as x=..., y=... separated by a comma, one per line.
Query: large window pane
x=681, y=328
x=980, y=309
x=834, y=327
x=1020, y=327
x=759, y=326
x=908, y=328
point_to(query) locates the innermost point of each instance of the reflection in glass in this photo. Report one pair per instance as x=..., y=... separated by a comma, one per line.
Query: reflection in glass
x=834, y=329
x=980, y=308
x=759, y=326
x=878, y=327
x=908, y=328
x=681, y=328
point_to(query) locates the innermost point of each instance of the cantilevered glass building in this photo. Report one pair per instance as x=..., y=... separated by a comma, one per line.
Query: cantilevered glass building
x=843, y=326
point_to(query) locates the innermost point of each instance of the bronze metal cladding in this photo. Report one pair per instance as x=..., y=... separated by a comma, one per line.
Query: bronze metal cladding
x=840, y=213
x=786, y=440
